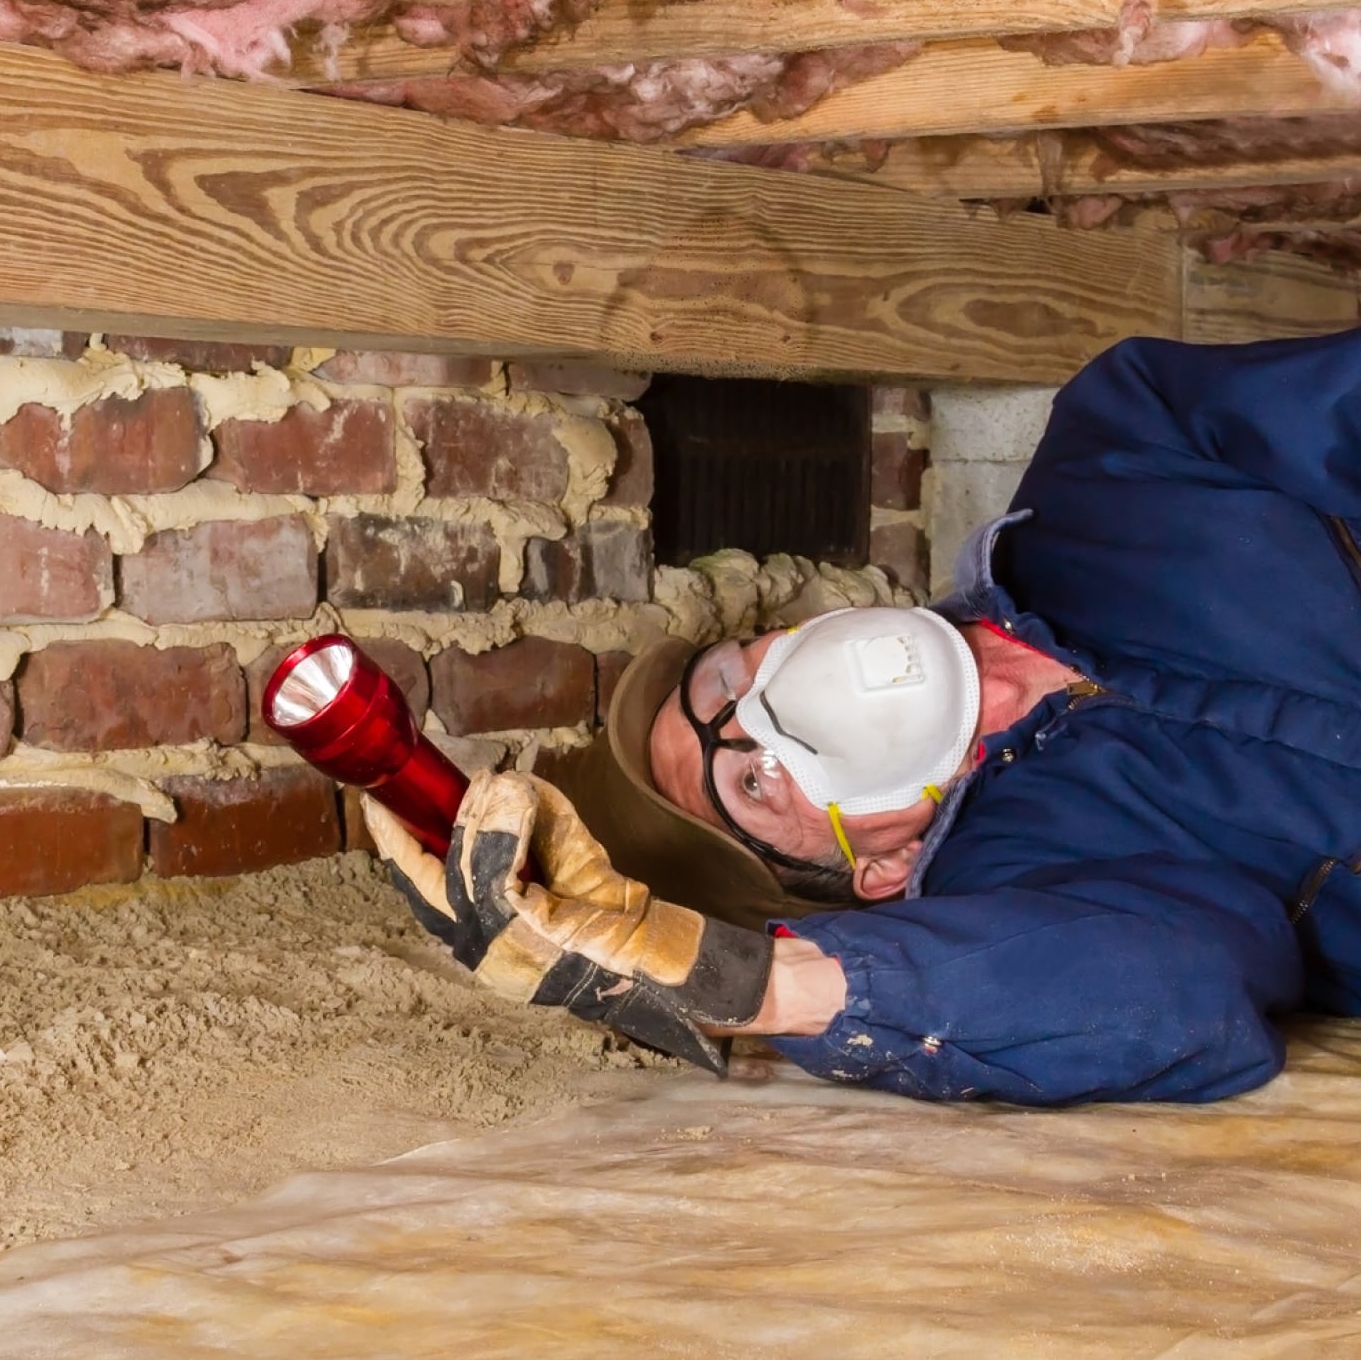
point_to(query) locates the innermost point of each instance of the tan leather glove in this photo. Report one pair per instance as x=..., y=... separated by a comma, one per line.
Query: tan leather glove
x=588, y=938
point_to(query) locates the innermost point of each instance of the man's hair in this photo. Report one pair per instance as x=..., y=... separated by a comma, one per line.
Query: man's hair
x=828, y=880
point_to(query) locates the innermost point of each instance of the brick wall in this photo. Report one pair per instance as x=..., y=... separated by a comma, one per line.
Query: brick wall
x=175, y=516
x=901, y=434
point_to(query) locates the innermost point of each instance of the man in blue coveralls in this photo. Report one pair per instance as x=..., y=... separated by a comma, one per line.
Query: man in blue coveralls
x=1099, y=810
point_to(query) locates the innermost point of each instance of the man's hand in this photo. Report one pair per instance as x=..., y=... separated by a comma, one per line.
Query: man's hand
x=588, y=939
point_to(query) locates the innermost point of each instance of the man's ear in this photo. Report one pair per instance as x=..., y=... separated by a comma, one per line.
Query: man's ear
x=878, y=878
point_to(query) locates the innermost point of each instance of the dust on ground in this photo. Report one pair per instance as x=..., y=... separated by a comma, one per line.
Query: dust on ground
x=179, y=1044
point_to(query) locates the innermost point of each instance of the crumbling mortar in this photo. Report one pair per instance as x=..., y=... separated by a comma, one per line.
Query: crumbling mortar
x=267, y=394
x=918, y=431
x=882, y=516
x=638, y=516
x=133, y=775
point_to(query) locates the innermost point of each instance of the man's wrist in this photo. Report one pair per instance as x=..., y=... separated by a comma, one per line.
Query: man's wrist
x=805, y=993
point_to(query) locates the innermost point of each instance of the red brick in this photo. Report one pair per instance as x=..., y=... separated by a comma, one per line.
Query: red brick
x=57, y=840
x=396, y=369
x=200, y=356
x=553, y=569
x=631, y=483
x=110, y=695
x=373, y=562
x=618, y=561
x=6, y=717
x=529, y=683
x=225, y=569
x=575, y=379
x=473, y=448
x=52, y=574
x=896, y=473
x=903, y=552
x=347, y=448
x=113, y=447
x=609, y=666
x=604, y=560
x=913, y=402
x=238, y=826
x=404, y=664
x=407, y=667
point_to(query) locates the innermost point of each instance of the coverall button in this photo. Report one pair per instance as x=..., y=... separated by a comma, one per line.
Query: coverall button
x=1008, y=755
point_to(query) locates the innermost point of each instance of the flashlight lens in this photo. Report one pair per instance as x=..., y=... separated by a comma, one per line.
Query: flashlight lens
x=313, y=683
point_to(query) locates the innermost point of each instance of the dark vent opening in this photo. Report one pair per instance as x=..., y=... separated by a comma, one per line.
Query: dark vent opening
x=757, y=464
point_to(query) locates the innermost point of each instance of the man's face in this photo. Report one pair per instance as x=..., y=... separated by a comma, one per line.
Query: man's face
x=759, y=795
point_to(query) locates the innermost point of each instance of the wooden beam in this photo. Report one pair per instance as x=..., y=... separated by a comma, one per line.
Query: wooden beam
x=624, y=30
x=1275, y=297
x=973, y=87
x=1064, y=164
x=155, y=204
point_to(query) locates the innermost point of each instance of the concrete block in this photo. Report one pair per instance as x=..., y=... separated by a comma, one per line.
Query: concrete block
x=988, y=424
x=964, y=495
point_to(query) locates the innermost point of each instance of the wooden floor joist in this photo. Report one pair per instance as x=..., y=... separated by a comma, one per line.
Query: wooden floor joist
x=625, y=31
x=976, y=87
x=1275, y=297
x=203, y=208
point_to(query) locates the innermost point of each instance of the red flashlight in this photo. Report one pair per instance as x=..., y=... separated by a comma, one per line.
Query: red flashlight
x=344, y=714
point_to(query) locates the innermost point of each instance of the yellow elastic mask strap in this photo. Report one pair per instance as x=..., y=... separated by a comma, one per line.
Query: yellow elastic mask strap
x=932, y=792
x=834, y=816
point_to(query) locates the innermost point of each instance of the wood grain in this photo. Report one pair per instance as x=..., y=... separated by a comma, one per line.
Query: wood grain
x=625, y=30
x=1275, y=297
x=975, y=87
x=206, y=208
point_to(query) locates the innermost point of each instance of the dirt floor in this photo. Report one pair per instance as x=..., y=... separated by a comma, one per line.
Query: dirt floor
x=180, y=1044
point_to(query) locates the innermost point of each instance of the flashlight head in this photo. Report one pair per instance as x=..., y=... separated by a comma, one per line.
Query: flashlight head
x=341, y=711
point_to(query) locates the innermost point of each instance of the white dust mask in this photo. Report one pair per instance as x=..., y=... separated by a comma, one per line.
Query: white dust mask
x=865, y=708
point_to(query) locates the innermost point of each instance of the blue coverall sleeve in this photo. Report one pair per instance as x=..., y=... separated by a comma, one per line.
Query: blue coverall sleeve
x=1137, y=979
x=1286, y=413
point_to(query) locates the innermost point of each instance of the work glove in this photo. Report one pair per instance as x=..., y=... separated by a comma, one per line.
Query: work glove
x=586, y=938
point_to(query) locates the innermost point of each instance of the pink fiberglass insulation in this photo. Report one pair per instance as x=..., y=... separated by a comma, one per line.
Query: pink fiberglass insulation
x=866, y=156
x=1329, y=41
x=1225, y=141
x=1340, y=199
x=1271, y=204
x=248, y=37
x=645, y=101
x=1136, y=38
x=1240, y=224
x=239, y=39
x=1339, y=248
x=484, y=30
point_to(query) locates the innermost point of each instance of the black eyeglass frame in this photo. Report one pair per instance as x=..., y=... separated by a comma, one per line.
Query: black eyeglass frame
x=711, y=741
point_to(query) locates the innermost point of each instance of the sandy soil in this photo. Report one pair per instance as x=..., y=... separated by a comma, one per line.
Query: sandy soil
x=180, y=1044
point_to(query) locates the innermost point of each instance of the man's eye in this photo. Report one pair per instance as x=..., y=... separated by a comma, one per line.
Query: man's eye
x=751, y=785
